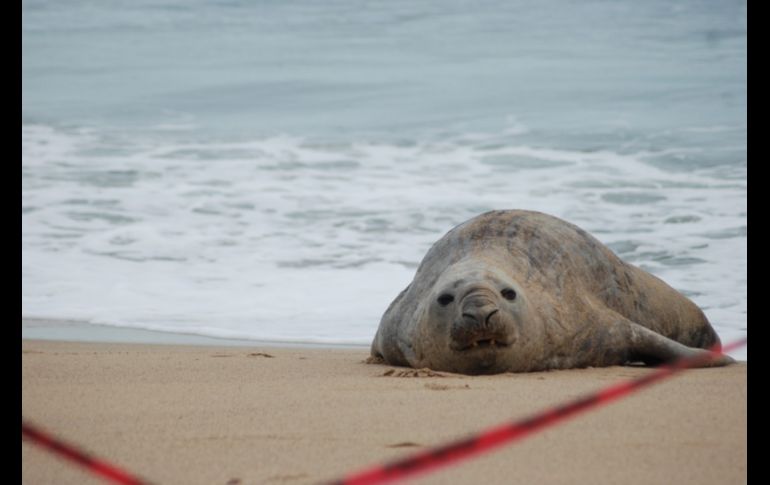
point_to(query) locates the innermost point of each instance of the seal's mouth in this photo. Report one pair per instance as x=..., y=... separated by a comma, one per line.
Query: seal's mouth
x=482, y=344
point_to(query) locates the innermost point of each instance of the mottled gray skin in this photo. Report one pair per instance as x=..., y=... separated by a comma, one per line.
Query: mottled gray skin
x=518, y=291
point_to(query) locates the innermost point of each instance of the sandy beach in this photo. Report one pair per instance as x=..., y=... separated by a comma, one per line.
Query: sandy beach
x=243, y=415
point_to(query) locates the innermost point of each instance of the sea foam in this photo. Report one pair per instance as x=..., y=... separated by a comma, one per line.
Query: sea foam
x=298, y=239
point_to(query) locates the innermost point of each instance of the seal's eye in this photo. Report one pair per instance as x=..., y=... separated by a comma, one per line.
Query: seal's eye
x=445, y=299
x=508, y=294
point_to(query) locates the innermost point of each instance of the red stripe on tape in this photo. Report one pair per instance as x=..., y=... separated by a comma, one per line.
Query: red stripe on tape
x=497, y=436
x=73, y=453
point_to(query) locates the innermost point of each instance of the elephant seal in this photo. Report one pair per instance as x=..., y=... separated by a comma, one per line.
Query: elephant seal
x=518, y=291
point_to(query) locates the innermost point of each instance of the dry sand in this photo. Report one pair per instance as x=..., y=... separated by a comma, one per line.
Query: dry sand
x=219, y=415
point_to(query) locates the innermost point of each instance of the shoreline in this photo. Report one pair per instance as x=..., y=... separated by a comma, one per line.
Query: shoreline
x=62, y=330
x=263, y=414
x=59, y=330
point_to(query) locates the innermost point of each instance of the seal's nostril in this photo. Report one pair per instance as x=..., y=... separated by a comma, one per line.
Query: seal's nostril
x=490, y=315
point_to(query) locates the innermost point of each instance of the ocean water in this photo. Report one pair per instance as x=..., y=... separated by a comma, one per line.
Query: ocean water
x=277, y=170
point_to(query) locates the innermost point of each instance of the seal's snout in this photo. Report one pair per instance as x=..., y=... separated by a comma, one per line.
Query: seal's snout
x=479, y=308
x=483, y=316
x=480, y=324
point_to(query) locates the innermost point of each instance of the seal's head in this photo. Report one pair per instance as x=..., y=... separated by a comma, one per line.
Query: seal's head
x=474, y=316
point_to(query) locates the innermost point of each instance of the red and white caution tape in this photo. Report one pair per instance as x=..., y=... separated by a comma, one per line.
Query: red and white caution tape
x=497, y=436
x=76, y=454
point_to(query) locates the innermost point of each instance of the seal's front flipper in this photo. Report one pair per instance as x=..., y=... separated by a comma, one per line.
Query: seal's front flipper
x=652, y=348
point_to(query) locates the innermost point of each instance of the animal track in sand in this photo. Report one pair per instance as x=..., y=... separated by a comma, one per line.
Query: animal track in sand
x=441, y=387
x=403, y=444
x=253, y=354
